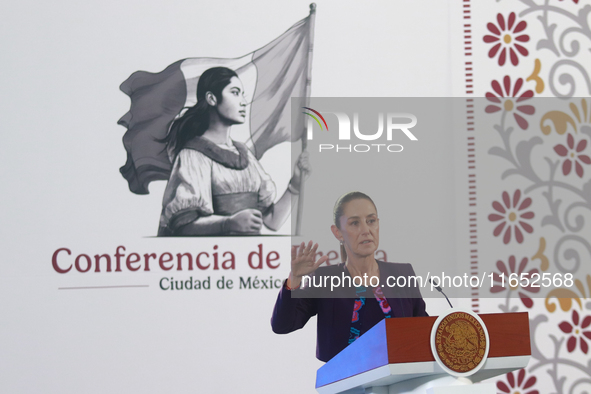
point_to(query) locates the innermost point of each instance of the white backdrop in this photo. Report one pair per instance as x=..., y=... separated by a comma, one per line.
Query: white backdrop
x=62, y=63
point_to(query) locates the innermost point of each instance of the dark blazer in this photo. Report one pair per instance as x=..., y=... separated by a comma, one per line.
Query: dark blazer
x=334, y=314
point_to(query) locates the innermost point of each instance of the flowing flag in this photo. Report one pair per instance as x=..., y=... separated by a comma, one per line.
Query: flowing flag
x=272, y=74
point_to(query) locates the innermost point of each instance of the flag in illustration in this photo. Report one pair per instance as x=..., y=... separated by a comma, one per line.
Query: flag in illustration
x=271, y=76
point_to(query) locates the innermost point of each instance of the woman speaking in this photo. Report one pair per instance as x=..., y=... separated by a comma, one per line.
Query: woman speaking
x=217, y=186
x=352, y=311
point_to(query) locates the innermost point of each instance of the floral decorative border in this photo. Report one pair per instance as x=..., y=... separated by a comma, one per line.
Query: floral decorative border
x=543, y=173
x=470, y=148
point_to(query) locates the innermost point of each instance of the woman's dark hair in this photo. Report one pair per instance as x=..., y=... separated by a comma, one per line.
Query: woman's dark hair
x=195, y=121
x=339, y=209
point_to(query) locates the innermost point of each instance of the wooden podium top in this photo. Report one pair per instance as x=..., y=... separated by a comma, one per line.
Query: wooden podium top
x=409, y=338
x=407, y=341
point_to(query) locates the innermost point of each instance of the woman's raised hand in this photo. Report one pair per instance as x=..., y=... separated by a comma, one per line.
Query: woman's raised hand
x=303, y=262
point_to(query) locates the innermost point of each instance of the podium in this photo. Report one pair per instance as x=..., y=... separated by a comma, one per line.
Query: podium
x=396, y=356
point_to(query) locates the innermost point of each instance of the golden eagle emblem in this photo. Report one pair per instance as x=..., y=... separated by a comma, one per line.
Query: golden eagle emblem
x=460, y=342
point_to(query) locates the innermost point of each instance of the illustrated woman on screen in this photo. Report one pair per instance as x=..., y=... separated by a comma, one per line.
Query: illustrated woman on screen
x=217, y=186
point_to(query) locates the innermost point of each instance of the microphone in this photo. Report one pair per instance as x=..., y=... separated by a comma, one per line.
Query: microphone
x=441, y=291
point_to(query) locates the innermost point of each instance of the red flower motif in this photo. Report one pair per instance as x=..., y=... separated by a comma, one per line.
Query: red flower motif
x=498, y=287
x=507, y=37
x=519, y=386
x=577, y=331
x=506, y=102
x=511, y=218
x=356, y=307
x=573, y=155
x=574, y=1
